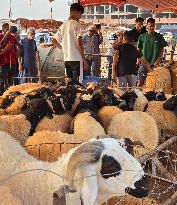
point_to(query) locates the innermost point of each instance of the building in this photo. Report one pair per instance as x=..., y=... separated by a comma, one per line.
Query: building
x=125, y=15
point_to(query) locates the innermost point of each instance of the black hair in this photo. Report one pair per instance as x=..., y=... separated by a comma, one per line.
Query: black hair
x=98, y=26
x=139, y=19
x=128, y=35
x=77, y=7
x=13, y=29
x=5, y=25
x=150, y=20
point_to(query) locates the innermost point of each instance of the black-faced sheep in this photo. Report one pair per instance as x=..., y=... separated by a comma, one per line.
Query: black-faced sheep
x=171, y=104
x=138, y=126
x=21, y=126
x=155, y=96
x=101, y=159
x=135, y=100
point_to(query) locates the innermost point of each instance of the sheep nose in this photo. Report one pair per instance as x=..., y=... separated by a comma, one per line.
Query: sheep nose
x=141, y=188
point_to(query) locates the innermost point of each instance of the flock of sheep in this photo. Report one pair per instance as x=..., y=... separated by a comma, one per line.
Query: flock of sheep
x=83, y=140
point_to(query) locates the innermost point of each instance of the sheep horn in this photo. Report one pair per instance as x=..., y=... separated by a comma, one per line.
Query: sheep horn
x=86, y=153
x=135, y=143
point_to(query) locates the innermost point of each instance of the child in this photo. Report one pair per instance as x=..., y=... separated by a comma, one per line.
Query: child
x=124, y=62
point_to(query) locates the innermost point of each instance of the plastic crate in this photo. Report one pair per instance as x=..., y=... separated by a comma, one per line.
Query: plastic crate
x=93, y=79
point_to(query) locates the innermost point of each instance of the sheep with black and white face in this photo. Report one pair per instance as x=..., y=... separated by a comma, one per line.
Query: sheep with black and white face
x=90, y=170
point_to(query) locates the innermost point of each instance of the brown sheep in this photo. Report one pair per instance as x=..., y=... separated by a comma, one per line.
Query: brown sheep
x=58, y=123
x=48, y=146
x=165, y=119
x=106, y=114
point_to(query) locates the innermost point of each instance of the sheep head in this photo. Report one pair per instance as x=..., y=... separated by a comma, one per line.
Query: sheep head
x=107, y=168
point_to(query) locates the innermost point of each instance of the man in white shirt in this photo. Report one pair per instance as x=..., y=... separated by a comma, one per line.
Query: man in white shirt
x=72, y=46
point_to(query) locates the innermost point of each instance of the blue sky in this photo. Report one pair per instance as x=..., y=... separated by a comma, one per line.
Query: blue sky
x=39, y=9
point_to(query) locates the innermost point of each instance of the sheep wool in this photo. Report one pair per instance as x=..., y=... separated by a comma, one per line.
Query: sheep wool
x=59, y=122
x=86, y=127
x=16, y=106
x=48, y=146
x=22, y=88
x=15, y=125
x=165, y=119
x=159, y=79
x=106, y=114
x=7, y=198
x=173, y=71
x=140, y=102
x=137, y=126
x=129, y=200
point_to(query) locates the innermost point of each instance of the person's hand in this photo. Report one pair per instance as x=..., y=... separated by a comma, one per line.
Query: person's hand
x=20, y=67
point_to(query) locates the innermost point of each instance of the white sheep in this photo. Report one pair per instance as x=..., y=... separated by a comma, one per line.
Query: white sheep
x=112, y=170
x=137, y=126
x=7, y=198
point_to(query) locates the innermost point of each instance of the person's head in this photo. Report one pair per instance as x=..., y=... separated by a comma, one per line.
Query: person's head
x=76, y=11
x=139, y=23
x=98, y=27
x=91, y=30
x=150, y=25
x=31, y=33
x=5, y=28
x=13, y=30
x=127, y=37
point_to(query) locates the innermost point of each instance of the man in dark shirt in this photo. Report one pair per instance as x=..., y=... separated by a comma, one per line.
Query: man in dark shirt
x=138, y=30
x=124, y=62
x=28, y=62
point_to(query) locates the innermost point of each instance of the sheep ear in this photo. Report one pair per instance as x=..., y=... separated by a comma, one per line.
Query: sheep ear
x=89, y=187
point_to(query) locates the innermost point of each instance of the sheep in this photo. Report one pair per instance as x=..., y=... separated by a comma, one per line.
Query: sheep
x=138, y=126
x=102, y=159
x=49, y=145
x=59, y=122
x=129, y=200
x=21, y=126
x=103, y=97
x=106, y=114
x=171, y=104
x=155, y=96
x=165, y=119
x=86, y=127
x=7, y=198
x=22, y=88
x=135, y=100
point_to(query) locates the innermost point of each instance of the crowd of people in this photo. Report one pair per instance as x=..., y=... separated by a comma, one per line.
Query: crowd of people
x=132, y=54
x=16, y=57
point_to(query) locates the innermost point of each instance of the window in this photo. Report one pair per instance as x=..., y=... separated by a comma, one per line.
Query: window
x=99, y=16
x=99, y=9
